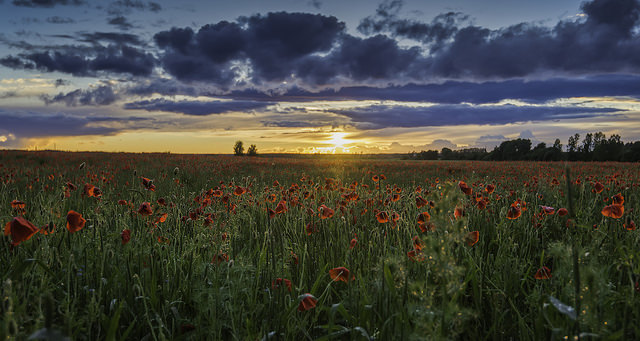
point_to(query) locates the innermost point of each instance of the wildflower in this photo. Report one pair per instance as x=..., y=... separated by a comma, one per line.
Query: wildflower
x=472, y=238
x=563, y=212
x=341, y=274
x=614, y=211
x=20, y=230
x=307, y=301
x=145, y=209
x=543, y=273
x=464, y=188
x=382, y=217
x=325, y=212
x=277, y=283
x=126, y=236
x=75, y=221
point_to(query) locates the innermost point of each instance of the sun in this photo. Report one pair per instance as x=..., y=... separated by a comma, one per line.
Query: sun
x=338, y=140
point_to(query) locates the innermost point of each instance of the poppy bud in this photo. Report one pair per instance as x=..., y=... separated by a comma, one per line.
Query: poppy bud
x=176, y=171
x=82, y=165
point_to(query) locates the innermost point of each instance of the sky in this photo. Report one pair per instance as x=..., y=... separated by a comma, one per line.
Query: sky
x=315, y=76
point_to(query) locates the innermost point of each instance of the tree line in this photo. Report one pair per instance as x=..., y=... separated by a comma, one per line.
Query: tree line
x=594, y=147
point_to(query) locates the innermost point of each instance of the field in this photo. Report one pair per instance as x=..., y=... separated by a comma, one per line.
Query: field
x=217, y=247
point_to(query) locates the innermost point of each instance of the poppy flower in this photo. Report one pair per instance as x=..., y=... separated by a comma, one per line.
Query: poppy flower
x=145, y=209
x=598, y=187
x=420, y=202
x=618, y=199
x=277, y=283
x=325, y=212
x=48, y=229
x=217, y=193
x=514, y=212
x=614, y=211
x=122, y=202
x=307, y=301
x=162, y=202
x=239, y=190
x=282, y=207
x=548, y=210
x=458, y=212
x=17, y=204
x=631, y=226
x=75, y=221
x=563, y=212
x=423, y=218
x=220, y=258
x=271, y=213
x=353, y=243
x=375, y=178
x=382, y=217
x=417, y=243
x=148, y=184
x=543, y=273
x=341, y=274
x=126, y=236
x=472, y=238
x=490, y=188
x=20, y=230
x=464, y=188
x=162, y=218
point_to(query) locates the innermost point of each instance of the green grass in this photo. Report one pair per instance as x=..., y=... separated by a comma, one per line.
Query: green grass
x=88, y=285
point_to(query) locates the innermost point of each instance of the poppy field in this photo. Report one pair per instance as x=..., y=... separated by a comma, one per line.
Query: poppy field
x=163, y=246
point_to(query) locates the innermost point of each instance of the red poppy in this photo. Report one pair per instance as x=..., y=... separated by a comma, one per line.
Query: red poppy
x=163, y=240
x=307, y=301
x=220, y=258
x=126, y=236
x=75, y=221
x=631, y=226
x=341, y=274
x=472, y=238
x=423, y=218
x=148, y=184
x=543, y=273
x=614, y=211
x=375, y=178
x=458, y=212
x=464, y=188
x=278, y=283
x=17, y=204
x=239, y=190
x=20, y=230
x=325, y=212
x=417, y=243
x=162, y=202
x=563, y=212
x=415, y=255
x=145, y=209
x=282, y=207
x=382, y=217
x=548, y=210
x=618, y=199
x=598, y=187
x=490, y=188
x=122, y=202
x=514, y=212
x=420, y=202
x=271, y=213
x=353, y=243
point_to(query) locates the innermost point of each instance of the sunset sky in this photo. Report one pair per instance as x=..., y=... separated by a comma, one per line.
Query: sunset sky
x=315, y=75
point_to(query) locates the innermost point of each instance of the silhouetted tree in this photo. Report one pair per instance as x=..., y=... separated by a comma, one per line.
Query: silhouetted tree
x=238, y=148
x=253, y=150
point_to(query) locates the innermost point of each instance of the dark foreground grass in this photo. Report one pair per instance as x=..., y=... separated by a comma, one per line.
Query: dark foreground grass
x=209, y=270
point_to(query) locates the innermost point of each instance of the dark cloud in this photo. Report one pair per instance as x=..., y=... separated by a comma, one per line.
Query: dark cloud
x=383, y=116
x=60, y=20
x=121, y=59
x=197, y=108
x=315, y=3
x=125, y=6
x=313, y=51
x=47, y=3
x=61, y=82
x=102, y=95
x=33, y=124
x=274, y=44
x=387, y=20
x=121, y=22
x=534, y=91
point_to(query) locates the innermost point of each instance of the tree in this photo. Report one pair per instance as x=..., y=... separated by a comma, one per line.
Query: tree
x=253, y=150
x=557, y=145
x=238, y=149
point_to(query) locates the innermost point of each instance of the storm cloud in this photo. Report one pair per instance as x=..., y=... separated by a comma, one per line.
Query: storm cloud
x=198, y=108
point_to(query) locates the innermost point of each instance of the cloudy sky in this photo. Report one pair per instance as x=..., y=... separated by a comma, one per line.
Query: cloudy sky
x=315, y=75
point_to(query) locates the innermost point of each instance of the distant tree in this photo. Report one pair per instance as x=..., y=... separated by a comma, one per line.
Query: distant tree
x=557, y=145
x=238, y=149
x=253, y=150
x=572, y=146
